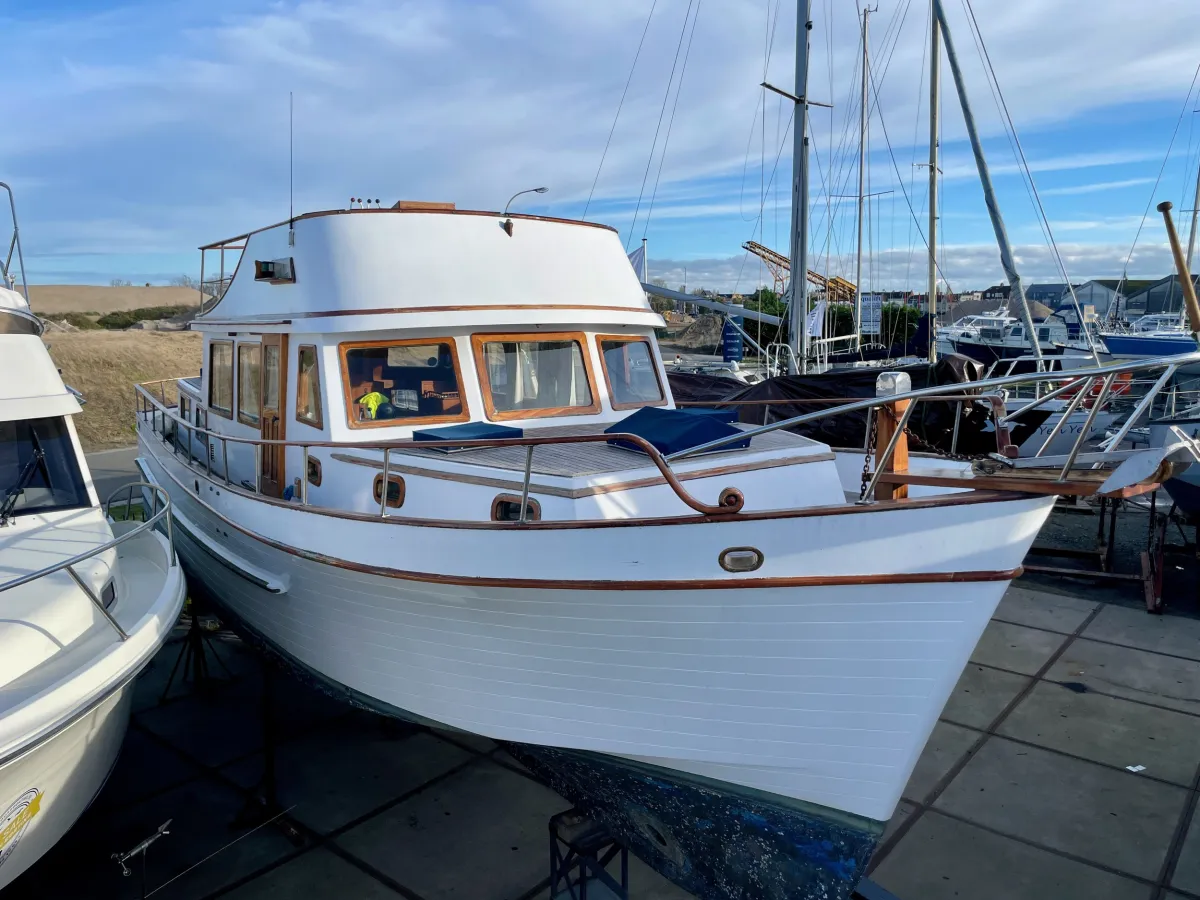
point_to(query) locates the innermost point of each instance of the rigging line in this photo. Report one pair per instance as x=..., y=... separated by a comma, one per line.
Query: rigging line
x=908, y=202
x=1178, y=122
x=611, y=131
x=754, y=121
x=671, y=122
x=662, y=112
x=916, y=126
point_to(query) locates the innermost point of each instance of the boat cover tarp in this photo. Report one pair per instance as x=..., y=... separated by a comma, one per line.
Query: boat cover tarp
x=932, y=423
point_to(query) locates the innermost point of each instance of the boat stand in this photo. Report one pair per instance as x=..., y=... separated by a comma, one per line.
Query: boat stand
x=581, y=850
x=262, y=803
x=1106, y=535
x=193, y=655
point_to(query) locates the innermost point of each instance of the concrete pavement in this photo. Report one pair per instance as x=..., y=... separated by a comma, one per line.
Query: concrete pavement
x=112, y=468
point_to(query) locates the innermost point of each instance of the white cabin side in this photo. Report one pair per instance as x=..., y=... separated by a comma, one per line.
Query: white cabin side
x=362, y=327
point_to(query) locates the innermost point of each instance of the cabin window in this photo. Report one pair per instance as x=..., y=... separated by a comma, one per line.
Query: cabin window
x=630, y=371
x=308, y=387
x=54, y=483
x=507, y=508
x=220, y=378
x=402, y=383
x=314, y=471
x=185, y=408
x=248, y=383
x=395, y=490
x=529, y=376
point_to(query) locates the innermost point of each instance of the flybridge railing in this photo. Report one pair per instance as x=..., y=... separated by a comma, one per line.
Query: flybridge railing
x=156, y=411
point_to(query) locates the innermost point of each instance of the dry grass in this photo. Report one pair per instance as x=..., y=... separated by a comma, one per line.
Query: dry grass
x=56, y=299
x=104, y=366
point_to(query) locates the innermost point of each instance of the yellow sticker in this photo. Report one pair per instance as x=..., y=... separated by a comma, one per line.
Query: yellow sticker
x=16, y=819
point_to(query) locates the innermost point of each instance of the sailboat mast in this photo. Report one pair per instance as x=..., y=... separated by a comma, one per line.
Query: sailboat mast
x=798, y=324
x=1195, y=213
x=985, y=178
x=862, y=165
x=935, y=100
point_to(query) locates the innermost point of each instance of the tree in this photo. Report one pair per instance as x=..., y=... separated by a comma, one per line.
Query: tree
x=186, y=281
x=120, y=282
x=897, y=323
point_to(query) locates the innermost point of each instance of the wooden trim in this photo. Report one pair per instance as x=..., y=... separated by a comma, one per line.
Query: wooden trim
x=377, y=490
x=962, y=498
x=591, y=491
x=629, y=339
x=699, y=584
x=223, y=413
x=533, y=509
x=348, y=401
x=477, y=347
x=273, y=457
x=444, y=212
x=319, y=424
x=237, y=380
x=417, y=310
x=1016, y=482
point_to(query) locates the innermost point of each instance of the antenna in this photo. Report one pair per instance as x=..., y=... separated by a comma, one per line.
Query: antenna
x=291, y=206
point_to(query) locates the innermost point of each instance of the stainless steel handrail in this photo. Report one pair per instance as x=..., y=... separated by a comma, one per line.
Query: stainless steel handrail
x=68, y=564
x=923, y=393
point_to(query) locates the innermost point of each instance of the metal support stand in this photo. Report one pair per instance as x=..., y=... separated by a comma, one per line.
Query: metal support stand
x=262, y=805
x=582, y=847
x=193, y=656
x=140, y=850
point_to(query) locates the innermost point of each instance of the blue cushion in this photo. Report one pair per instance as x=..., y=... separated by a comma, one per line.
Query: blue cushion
x=467, y=431
x=719, y=415
x=673, y=430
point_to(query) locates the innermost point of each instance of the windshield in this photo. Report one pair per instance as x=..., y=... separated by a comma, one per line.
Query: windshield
x=57, y=483
x=530, y=378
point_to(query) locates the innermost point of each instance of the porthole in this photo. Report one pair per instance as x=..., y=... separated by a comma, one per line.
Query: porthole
x=395, y=490
x=507, y=508
x=314, y=475
x=741, y=559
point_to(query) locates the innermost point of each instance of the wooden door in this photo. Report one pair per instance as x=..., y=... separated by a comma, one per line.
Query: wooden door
x=273, y=414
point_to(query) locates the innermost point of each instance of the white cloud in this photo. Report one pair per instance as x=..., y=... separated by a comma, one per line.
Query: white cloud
x=1094, y=187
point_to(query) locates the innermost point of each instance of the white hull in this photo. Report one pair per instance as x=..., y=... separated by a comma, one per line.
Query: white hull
x=1064, y=435
x=820, y=693
x=47, y=788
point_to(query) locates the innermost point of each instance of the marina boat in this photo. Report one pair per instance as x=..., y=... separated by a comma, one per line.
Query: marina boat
x=993, y=342
x=87, y=602
x=478, y=507
x=968, y=327
x=1150, y=336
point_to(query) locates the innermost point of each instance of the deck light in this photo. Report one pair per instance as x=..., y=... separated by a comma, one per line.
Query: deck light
x=507, y=224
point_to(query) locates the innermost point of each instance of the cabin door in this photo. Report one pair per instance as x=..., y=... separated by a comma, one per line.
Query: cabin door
x=273, y=416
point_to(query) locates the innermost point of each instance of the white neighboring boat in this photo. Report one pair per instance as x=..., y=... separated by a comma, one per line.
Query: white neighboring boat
x=967, y=327
x=710, y=652
x=86, y=603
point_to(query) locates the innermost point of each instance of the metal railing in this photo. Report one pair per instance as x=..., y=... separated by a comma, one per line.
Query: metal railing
x=68, y=565
x=989, y=391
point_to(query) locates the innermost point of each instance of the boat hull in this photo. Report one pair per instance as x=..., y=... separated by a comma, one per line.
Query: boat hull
x=816, y=693
x=47, y=788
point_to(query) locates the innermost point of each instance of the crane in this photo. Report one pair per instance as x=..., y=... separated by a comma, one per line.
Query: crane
x=780, y=267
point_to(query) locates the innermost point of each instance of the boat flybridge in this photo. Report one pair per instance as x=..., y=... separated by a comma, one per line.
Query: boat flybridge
x=85, y=603
x=433, y=461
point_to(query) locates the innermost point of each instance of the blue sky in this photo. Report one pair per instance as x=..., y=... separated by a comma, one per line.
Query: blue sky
x=136, y=131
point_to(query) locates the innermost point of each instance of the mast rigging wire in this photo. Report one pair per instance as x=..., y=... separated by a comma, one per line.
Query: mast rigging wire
x=661, y=113
x=617, y=117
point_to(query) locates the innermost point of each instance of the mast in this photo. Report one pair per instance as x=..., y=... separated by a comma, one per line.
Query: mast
x=935, y=100
x=1191, y=250
x=798, y=322
x=985, y=178
x=862, y=165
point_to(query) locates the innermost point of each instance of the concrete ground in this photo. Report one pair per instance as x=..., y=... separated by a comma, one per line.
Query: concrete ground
x=1024, y=790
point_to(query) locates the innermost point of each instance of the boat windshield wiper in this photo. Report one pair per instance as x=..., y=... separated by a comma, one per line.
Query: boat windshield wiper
x=14, y=493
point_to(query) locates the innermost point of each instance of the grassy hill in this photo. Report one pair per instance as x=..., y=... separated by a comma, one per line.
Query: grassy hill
x=49, y=300
x=104, y=366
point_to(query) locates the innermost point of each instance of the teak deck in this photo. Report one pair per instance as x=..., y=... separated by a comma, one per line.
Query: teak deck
x=1082, y=483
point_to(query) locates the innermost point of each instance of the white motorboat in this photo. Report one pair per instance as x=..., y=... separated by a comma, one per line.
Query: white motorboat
x=712, y=651
x=86, y=603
